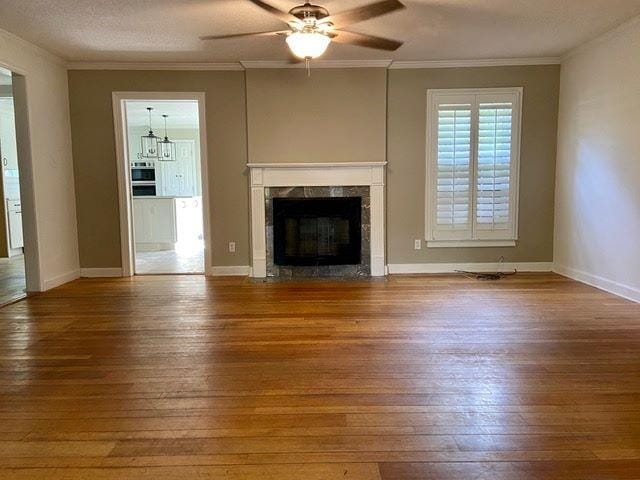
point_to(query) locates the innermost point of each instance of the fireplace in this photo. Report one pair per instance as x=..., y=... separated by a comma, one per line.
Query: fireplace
x=329, y=241
x=317, y=231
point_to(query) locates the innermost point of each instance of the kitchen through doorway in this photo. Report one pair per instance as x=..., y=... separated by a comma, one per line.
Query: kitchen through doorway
x=13, y=282
x=163, y=142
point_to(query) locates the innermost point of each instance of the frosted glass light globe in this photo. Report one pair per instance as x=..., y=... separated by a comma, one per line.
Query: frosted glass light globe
x=308, y=44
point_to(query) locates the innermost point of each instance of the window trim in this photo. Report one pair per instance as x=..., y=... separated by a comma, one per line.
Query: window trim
x=433, y=97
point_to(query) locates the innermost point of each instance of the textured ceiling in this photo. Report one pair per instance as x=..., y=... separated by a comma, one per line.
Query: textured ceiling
x=168, y=30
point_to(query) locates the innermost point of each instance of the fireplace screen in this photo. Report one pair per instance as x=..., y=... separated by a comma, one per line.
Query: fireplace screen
x=317, y=231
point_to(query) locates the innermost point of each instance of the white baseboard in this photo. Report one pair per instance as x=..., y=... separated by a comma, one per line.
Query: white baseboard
x=100, y=272
x=610, y=286
x=470, y=267
x=238, y=270
x=60, y=280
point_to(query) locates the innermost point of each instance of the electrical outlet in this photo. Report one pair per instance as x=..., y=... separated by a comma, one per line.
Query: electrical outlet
x=417, y=244
x=232, y=247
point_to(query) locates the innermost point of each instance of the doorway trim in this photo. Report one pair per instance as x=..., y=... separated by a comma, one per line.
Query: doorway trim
x=32, y=261
x=125, y=200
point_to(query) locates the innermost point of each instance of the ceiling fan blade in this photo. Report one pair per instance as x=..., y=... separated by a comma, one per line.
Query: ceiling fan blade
x=286, y=17
x=366, y=12
x=250, y=34
x=362, y=40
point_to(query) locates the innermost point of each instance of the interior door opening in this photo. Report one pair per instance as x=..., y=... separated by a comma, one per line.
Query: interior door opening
x=165, y=186
x=13, y=283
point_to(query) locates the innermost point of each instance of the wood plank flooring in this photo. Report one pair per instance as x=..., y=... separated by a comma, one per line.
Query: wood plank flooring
x=441, y=377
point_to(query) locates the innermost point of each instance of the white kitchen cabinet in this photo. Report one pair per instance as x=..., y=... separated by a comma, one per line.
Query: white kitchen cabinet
x=179, y=178
x=154, y=222
x=8, y=146
x=8, y=150
x=189, y=219
x=14, y=214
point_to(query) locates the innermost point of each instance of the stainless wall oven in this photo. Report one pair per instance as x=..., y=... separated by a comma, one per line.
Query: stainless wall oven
x=142, y=189
x=143, y=179
x=143, y=174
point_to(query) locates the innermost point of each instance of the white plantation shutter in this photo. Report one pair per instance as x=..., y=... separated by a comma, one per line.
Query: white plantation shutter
x=493, y=173
x=473, y=165
x=453, y=170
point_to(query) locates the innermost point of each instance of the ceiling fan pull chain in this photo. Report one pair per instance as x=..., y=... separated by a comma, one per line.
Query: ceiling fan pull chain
x=308, y=65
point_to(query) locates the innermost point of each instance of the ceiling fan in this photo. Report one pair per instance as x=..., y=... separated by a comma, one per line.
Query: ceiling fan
x=312, y=28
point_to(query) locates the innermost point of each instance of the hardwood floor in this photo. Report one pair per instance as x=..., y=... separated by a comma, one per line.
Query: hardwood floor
x=442, y=377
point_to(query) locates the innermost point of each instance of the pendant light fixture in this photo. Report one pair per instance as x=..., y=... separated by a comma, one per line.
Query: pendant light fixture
x=149, y=142
x=166, y=148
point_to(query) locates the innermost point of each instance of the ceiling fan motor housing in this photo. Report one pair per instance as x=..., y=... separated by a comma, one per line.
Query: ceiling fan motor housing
x=309, y=11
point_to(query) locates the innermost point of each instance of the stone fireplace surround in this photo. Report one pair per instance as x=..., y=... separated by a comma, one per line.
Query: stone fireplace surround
x=268, y=179
x=363, y=269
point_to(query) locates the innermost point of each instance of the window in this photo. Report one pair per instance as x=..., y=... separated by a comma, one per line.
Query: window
x=472, y=167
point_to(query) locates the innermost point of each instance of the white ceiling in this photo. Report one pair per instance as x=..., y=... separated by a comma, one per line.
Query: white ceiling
x=168, y=30
x=182, y=114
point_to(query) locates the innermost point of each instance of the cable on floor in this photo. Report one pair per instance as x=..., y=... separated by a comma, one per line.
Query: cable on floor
x=487, y=276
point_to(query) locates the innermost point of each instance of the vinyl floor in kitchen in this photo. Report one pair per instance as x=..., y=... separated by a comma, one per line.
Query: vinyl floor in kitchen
x=170, y=261
x=12, y=279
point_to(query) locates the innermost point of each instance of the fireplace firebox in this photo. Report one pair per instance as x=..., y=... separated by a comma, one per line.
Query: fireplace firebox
x=317, y=231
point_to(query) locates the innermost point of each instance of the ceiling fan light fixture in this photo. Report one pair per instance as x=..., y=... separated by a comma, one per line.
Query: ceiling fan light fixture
x=308, y=45
x=312, y=28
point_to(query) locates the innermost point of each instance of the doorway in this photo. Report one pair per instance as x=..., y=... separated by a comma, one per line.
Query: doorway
x=162, y=170
x=12, y=265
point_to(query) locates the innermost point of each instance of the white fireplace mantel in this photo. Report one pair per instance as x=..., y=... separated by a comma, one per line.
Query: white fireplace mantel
x=353, y=174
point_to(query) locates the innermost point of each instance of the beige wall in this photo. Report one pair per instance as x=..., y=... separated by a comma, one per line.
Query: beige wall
x=95, y=157
x=336, y=115
x=598, y=179
x=407, y=149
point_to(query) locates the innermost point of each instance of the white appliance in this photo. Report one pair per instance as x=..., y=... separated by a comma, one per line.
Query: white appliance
x=14, y=213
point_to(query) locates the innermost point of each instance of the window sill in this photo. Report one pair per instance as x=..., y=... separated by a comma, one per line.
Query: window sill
x=470, y=243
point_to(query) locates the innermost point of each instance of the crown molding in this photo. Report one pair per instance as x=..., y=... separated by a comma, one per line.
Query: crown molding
x=242, y=65
x=152, y=66
x=498, y=62
x=314, y=165
x=600, y=39
x=225, y=66
x=319, y=64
